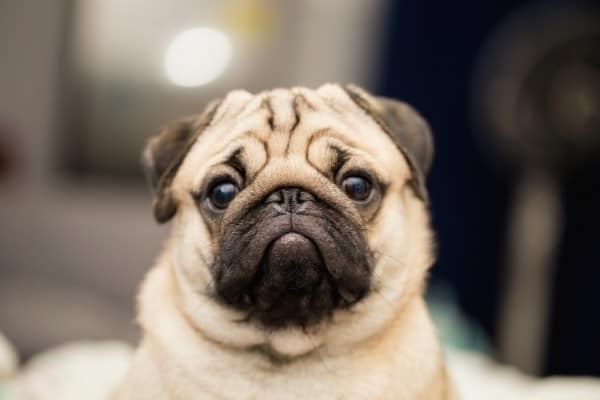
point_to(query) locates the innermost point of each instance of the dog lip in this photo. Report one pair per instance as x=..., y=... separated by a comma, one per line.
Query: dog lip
x=292, y=238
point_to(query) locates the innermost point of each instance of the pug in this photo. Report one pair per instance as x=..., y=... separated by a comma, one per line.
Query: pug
x=299, y=248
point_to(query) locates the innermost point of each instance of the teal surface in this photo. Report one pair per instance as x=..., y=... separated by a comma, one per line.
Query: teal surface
x=454, y=328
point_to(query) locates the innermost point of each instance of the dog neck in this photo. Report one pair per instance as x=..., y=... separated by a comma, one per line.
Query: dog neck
x=407, y=348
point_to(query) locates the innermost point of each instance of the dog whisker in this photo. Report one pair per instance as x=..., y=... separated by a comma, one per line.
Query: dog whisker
x=376, y=289
x=381, y=254
x=317, y=351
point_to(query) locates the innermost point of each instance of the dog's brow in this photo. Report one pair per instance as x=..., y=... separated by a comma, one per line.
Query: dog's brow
x=340, y=157
x=235, y=161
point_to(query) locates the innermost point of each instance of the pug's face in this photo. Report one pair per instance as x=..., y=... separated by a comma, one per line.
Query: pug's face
x=299, y=215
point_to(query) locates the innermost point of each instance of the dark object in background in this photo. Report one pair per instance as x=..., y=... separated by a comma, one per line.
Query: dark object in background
x=430, y=49
x=431, y=54
x=537, y=95
x=5, y=155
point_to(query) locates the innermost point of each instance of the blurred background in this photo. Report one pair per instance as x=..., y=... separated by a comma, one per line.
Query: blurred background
x=511, y=89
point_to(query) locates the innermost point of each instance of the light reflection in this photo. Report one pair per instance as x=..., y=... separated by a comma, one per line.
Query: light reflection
x=197, y=56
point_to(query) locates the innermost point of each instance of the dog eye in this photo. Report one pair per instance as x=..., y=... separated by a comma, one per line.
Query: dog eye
x=221, y=194
x=357, y=187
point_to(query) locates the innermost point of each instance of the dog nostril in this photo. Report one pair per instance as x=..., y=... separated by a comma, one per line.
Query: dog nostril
x=305, y=196
x=275, y=197
x=289, y=198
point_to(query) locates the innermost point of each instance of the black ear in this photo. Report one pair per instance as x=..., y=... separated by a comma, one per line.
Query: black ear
x=409, y=131
x=165, y=152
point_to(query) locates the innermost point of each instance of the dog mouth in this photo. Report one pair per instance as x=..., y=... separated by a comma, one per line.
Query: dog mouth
x=293, y=270
x=292, y=284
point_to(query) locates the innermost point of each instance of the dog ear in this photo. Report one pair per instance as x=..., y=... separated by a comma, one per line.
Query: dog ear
x=165, y=152
x=409, y=131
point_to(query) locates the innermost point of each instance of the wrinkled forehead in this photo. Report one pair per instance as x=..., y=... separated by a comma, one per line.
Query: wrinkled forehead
x=291, y=124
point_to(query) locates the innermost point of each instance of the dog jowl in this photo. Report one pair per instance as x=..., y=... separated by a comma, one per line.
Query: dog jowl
x=291, y=258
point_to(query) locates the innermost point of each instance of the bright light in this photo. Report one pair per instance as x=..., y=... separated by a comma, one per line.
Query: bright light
x=197, y=56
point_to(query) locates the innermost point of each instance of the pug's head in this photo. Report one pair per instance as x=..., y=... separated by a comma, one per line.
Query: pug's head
x=299, y=216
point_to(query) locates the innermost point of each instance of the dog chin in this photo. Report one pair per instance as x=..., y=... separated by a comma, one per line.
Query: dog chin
x=222, y=324
x=290, y=343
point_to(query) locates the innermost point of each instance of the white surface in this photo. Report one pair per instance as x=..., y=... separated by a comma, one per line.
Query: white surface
x=8, y=358
x=478, y=378
x=77, y=371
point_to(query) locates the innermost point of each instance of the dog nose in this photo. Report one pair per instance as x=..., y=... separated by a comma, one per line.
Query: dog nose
x=289, y=199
